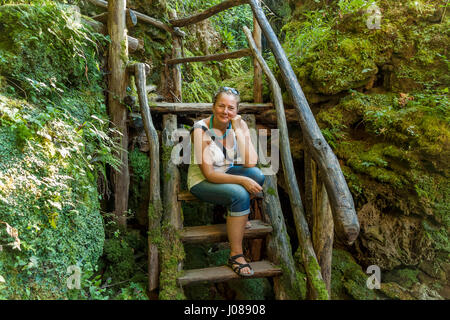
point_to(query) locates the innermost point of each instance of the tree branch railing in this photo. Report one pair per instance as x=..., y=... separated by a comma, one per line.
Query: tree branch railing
x=144, y=18
x=213, y=57
x=183, y=22
x=345, y=219
x=308, y=254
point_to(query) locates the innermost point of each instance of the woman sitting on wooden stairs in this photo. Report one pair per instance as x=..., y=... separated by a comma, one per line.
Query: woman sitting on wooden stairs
x=219, y=143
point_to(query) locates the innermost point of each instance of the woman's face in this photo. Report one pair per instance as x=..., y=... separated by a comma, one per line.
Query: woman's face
x=225, y=108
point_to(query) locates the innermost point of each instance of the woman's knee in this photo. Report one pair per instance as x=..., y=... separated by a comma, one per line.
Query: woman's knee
x=256, y=174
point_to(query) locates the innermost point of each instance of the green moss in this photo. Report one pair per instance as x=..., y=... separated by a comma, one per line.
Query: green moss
x=348, y=281
x=405, y=277
x=172, y=254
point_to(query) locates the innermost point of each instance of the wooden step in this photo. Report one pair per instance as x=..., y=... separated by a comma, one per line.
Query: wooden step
x=218, y=232
x=186, y=195
x=224, y=273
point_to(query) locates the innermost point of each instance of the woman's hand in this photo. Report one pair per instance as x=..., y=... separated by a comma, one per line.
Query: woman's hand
x=236, y=123
x=251, y=185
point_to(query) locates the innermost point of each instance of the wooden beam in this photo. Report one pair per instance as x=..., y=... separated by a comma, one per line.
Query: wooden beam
x=182, y=22
x=213, y=57
x=308, y=254
x=186, y=107
x=218, y=232
x=176, y=69
x=133, y=43
x=144, y=18
x=224, y=273
x=279, y=248
x=117, y=85
x=155, y=203
x=322, y=226
x=257, y=72
x=131, y=19
x=345, y=218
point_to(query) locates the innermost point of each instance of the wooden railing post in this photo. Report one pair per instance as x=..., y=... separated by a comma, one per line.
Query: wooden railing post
x=117, y=84
x=155, y=203
x=257, y=72
x=176, y=54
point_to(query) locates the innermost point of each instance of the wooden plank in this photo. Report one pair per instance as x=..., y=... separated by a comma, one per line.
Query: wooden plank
x=224, y=5
x=218, y=232
x=224, y=273
x=344, y=213
x=212, y=57
x=172, y=107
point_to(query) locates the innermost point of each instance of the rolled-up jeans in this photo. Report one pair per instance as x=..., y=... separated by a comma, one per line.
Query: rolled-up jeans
x=234, y=196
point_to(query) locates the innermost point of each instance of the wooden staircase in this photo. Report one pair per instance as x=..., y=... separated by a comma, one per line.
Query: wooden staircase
x=327, y=198
x=218, y=233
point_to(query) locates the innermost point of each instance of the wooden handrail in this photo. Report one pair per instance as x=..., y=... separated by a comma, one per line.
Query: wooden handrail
x=155, y=203
x=145, y=18
x=182, y=22
x=213, y=57
x=309, y=256
x=345, y=218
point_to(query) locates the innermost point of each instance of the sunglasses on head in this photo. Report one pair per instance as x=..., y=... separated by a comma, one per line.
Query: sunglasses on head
x=226, y=89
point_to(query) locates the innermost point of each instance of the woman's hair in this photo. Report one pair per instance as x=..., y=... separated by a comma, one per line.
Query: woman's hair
x=229, y=91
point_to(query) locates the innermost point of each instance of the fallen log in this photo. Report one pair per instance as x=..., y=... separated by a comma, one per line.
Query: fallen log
x=212, y=57
x=344, y=214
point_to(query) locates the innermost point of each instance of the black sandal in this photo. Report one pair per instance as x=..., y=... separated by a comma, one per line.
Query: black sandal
x=237, y=269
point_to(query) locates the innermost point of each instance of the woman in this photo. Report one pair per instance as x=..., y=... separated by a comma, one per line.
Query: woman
x=219, y=142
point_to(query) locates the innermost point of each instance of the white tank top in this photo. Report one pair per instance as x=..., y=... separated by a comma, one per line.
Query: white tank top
x=222, y=158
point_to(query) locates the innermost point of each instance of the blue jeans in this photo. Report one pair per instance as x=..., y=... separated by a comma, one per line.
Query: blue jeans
x=234, y=196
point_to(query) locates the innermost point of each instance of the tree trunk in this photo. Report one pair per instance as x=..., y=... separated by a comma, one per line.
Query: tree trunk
x=257, y=72
x=117, y=84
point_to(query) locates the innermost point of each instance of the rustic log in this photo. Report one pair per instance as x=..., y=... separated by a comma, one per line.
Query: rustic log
x=270, y=116
x=144, y=18
x=278, y=245
x=176, y=54
x=308, y=254
x=133, y=43
x=131, y=19
x=218, y=232
x=262, y=269
x=322, y=226
x=155, y=203
x=171, y=107
x=257, y=72
x=308, y=186
x=182, y=22
x=212, y=57
x=171, y=214
x=345, y=219
x=117, y=84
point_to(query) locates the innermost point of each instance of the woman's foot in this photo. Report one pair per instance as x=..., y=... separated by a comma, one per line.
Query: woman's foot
x=239, y=265
x=248, y=225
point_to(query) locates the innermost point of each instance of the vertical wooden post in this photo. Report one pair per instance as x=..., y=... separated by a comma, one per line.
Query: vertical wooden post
x=308, y=185
x=176, y=53
x=323, y=226
x=117, y=84
x=257, y=75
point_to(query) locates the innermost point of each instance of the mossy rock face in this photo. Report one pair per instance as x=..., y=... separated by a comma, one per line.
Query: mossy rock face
x=51, y=149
